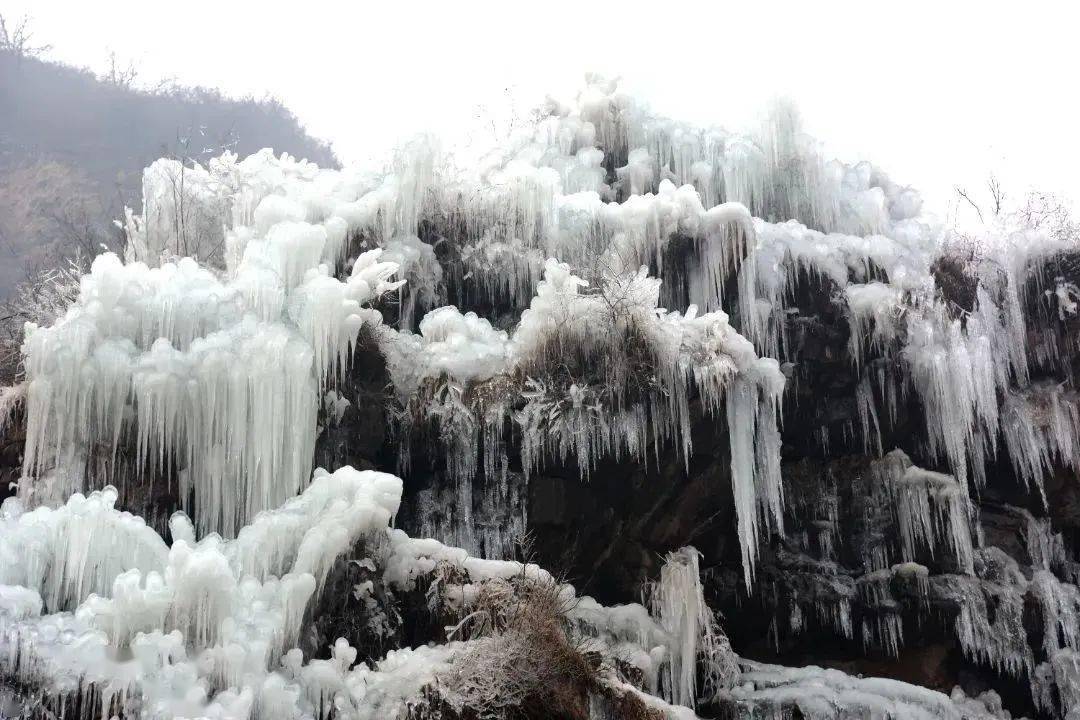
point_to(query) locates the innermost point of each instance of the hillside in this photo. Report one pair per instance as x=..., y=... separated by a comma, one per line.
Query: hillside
x=73, y=147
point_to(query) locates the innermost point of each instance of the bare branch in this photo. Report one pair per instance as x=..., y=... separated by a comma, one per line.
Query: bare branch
x=963, y=194
x=119, y=75
x=997, y=193
x=18, y=41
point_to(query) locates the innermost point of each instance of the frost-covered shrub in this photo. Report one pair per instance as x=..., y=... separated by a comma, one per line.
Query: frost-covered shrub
x=42, y=299
x=524, y=662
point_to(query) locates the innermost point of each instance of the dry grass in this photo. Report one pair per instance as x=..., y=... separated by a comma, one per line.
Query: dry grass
x=525, y=664
x=522, y=661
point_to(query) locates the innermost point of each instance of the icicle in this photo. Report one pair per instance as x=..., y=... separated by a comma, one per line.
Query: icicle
x=225, y=400
x=1000, y=642
x=638, y=172
x=1041, y=426
x=882, y=624
x=77, y=549
x=460, y=373
x=131, y=595
x=677, y=602
x=867, y=408
x=930, y=508
x=957, y=372
x=874, y=311
x=422, y=276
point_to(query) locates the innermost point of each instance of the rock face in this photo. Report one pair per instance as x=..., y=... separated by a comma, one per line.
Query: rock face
x=815, y=600
x=818, y=596
x=874, y=457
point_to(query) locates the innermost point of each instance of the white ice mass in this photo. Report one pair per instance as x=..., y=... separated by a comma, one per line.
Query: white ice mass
x=609, y=239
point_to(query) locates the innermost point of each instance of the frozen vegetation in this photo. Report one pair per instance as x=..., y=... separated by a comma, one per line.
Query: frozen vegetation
x=564, y=304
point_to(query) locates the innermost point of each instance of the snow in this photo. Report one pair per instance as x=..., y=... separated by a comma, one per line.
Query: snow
x=818, y=693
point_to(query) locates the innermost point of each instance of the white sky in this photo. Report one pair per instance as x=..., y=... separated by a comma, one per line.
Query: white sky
x=937, y=94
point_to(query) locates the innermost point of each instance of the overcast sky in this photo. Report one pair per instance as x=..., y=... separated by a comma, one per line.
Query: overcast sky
x=938, y=94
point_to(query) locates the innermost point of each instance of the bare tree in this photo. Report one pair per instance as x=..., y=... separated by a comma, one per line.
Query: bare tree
x=997, y=194
x=1049, y=213
x=49, y=211
x=52, y=221
x=1039, y=210
x=41, y=299
x=197, y=227
x=965, y=196
x=118, y=74
x=995, y=208
x=17, y=39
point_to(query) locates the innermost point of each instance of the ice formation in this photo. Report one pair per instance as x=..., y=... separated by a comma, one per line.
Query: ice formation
x=216, y=380
x=578, y=359
x=964, y=366
x=931, y=509
x=93, y=598
x=558, y=307
x=126, y=612
x=818, y=693
x=678, y=602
